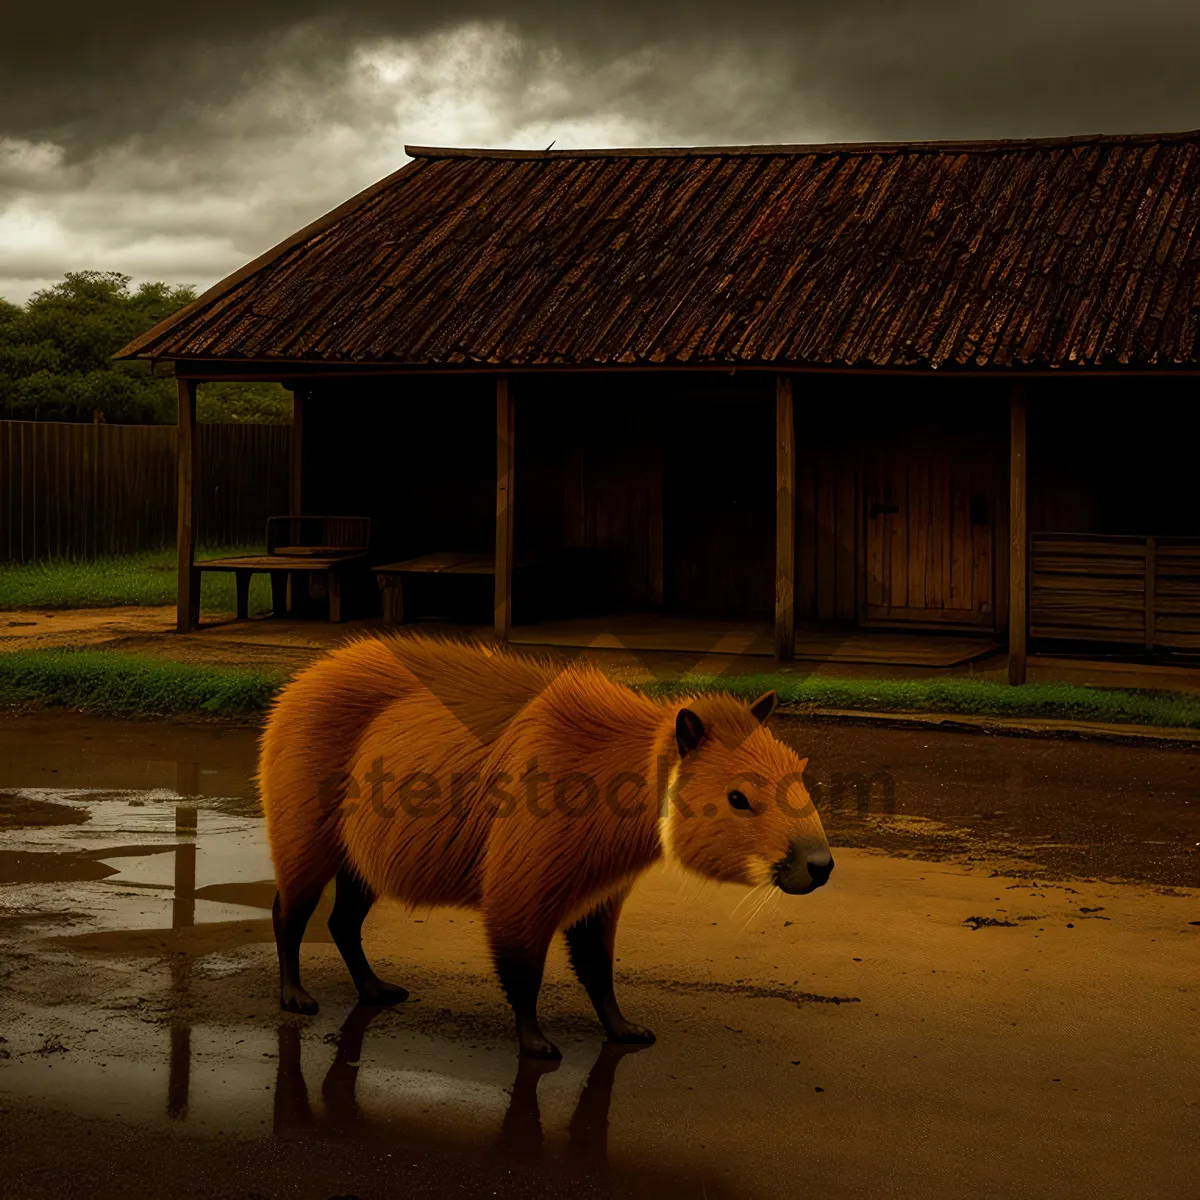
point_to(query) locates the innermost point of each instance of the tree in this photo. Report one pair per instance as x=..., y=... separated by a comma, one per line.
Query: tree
x=244, y=404
x=56, y=359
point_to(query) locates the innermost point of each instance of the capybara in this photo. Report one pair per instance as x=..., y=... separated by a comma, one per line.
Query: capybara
x=461, y=774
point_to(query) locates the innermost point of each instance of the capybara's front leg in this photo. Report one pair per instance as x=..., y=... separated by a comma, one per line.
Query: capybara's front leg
x=350, y=907
x=290, y=923
x=520, y=969
x=590, y=943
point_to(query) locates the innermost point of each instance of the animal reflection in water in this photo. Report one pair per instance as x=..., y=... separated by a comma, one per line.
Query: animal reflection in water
x=520, y=1131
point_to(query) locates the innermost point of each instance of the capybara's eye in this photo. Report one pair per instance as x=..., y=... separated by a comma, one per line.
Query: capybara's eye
x=738, y=800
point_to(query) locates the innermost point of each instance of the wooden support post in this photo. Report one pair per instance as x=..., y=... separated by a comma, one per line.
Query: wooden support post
x=297, y=467
x=656, y=476
x=785, y=520
x=1018, y=535
x=504, y=509
x=187, y=596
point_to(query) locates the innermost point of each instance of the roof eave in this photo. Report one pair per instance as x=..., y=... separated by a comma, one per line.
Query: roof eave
x=141, y=346
x=800, y=149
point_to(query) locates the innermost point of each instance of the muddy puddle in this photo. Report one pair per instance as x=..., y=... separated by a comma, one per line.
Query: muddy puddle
x=968, y=1009
x=1061, y=807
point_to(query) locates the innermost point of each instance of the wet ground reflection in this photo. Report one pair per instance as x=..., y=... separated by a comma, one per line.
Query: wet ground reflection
x=520, y=1134
x=936, y=1025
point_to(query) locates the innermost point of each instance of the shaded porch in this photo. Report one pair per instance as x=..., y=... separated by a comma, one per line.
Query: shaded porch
x=813, y=642
x=824, y=519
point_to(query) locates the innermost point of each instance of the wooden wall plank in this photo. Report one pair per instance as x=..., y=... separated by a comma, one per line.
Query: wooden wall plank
x=297, y=457
x=505, y=496
x=826, y=530
x=1151, y=588
x=875, y=543
x=654, y=452
x=940, y=515
x=1018, y=489
x=785, y=520
x=808, y=452
x=846, y=534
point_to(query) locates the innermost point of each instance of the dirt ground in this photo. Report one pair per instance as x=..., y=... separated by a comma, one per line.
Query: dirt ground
x=996, y=995
x=33, y=629
x=290, y=644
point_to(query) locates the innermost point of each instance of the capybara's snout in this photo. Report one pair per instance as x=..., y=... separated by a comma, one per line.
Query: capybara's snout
x=800, y=872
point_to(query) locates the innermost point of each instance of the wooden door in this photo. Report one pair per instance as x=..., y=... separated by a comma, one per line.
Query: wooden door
x=930, y=499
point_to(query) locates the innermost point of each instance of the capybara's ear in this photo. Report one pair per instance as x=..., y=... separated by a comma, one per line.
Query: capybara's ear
x=764, y=706
x=689, y=731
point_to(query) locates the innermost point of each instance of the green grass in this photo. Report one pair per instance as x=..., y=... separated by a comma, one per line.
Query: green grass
x=141, y=579
x=133, y=686
x=963, y=697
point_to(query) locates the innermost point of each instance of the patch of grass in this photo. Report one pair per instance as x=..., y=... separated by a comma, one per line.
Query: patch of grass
x=136, y=579
x=965, y=697
x=133, y=686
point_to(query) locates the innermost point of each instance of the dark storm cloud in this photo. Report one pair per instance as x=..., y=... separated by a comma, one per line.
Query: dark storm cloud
x=86, y=74
x=176, y=141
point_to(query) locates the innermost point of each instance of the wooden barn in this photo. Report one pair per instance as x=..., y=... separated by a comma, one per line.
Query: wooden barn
x=788, y=396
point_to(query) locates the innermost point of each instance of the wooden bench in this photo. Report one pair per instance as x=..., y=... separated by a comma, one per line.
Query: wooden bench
x=297, y=547
x=391, y=576
x=548, y=582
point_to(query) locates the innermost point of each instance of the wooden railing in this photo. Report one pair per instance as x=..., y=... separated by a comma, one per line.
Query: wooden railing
x=1115, y=588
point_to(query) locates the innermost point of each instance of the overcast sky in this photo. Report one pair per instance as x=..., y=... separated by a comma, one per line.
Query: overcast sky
x=176, y=141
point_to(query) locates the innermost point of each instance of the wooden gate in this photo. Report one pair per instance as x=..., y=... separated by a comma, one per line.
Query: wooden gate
x=930, y=498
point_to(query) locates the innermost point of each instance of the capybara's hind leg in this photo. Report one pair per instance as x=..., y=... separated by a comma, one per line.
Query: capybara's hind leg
x=290, y=924
x=520, y=969
x=350, y=908
x=590, y=944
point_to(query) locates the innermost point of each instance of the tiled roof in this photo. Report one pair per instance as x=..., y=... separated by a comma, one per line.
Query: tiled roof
x=1077, y=252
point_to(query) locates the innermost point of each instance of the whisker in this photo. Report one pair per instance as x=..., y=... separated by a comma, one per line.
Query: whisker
x=751, y=894
x=765, y=901
x=761, y=894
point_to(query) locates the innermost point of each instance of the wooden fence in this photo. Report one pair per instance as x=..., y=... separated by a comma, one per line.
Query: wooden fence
x=1114, y=588
x=81, y=491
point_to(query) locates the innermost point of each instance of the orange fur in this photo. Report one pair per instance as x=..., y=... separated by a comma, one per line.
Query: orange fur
x=452, y=773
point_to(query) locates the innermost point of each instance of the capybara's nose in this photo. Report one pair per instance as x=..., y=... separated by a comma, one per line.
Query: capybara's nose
x=819, y=871
x=798, y=874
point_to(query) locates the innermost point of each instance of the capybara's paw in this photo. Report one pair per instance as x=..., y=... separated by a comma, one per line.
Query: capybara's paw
x=297, y=1000
x=630, y=1034
x=382, y=995
x=537, y=1045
